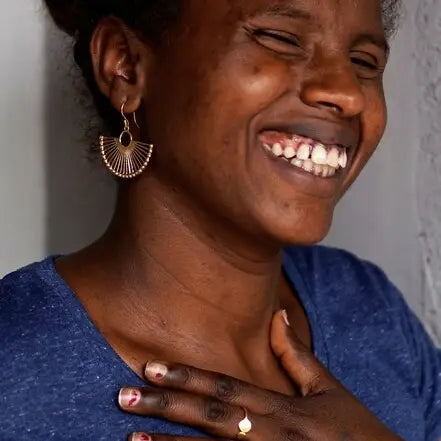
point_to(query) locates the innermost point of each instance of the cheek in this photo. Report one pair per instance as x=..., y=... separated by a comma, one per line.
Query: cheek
x=213, y=104
x=374, y=123
x=257, y=83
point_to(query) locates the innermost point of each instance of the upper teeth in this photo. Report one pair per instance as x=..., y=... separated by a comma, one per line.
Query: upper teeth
x=319, y=155
x=333, y=157
x=312, y=156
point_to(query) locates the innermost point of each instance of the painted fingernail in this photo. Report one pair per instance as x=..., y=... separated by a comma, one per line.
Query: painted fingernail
x=129, y=397
x=155, y=370
x=140, y=436
x=285, y=317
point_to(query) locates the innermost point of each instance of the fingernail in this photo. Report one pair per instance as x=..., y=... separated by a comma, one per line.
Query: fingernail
x=129, y=397
x=285, y=317
x=139, y=436
x=155, y=370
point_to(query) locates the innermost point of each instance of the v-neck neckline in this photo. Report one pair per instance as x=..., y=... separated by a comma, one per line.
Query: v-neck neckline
x=104, y=350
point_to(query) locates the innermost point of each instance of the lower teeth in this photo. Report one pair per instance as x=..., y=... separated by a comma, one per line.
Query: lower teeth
x=315, y=169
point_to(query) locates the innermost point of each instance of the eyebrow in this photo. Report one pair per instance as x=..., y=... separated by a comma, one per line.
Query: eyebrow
x=288, y=11
x=381, y=42
x=293, y=12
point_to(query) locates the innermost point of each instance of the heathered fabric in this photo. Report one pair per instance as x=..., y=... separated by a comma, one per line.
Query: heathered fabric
x=59, y=378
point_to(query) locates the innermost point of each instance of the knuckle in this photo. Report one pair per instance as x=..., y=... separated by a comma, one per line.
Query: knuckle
x=182, y=375
x=215, y=411
x=294, y=435
x=163, y=401
x=277, y=407
x=226, y=388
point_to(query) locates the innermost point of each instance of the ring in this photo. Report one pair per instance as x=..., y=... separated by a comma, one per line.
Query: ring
x=245, y=426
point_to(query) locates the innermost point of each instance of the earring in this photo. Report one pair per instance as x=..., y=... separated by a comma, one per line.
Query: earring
x=123, y=156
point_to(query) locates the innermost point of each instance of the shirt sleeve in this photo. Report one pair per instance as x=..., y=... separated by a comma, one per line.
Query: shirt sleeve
x=427, y=365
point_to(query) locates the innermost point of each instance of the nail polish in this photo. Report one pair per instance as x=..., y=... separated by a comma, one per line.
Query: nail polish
x=285, y=318
x=129, y=397
x=155, y=370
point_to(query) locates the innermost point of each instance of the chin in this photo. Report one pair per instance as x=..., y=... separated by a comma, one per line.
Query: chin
x=304, y=227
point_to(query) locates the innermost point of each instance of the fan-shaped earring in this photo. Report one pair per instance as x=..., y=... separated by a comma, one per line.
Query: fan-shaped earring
x=123, y=156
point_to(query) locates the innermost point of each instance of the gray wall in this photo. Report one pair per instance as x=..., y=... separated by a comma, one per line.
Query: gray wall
x=53, y=199
x=378, y=218
x=428, y=165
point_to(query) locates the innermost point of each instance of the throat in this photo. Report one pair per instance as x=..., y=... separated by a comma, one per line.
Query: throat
x=158, y=289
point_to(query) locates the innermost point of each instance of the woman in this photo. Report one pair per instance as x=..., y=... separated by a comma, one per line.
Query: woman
x=244, y=123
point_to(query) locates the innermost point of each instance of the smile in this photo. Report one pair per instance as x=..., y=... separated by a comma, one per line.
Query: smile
x=321, y=160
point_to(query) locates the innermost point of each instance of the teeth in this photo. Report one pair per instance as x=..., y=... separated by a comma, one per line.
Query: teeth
x=308, y=165
x=333, y=157
x=319, y=154
x=303, y=151
x=277, y=149
x=289, y=152
x=343, y=159
x=318, y=169
x=316, y=160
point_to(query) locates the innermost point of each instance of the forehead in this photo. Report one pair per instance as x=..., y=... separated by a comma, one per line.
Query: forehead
x=362, y=15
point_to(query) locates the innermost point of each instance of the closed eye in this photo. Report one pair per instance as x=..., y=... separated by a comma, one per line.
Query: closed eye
x=283, y=43
x=283, y=37
x=364, y=63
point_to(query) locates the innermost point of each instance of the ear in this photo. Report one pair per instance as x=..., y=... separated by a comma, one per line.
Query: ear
x=121, y=64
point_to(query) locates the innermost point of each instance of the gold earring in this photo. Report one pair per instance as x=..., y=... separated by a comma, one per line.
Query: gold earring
x=128, y=160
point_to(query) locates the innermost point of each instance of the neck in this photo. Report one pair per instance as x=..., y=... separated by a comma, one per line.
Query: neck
x=157, y=253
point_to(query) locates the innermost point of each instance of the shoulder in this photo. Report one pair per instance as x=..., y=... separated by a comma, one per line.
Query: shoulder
x=31, y=312
x=355, y=300
x=337, y=273
x=26, y=291
x=365, y=314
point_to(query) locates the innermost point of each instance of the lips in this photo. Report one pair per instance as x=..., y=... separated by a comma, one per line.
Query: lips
x=321, y=131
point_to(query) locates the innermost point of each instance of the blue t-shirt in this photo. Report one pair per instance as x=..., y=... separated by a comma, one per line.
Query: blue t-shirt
x=59, y=378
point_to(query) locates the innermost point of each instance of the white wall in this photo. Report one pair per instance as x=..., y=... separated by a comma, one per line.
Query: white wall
x=22, y=128
x=53, y=199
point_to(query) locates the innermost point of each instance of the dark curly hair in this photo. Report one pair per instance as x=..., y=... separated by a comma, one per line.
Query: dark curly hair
x=150, y=18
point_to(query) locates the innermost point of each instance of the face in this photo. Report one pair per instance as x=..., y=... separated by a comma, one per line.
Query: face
x=264, y=112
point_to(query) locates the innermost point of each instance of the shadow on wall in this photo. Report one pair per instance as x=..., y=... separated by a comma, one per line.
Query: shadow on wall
x=428, y=26
x=80, y=195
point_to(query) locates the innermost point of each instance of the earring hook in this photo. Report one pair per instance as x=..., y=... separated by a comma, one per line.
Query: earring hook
x=135, y=121
x=126, y=121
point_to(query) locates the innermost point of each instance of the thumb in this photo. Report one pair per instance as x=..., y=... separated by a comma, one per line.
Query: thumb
x=310, y=376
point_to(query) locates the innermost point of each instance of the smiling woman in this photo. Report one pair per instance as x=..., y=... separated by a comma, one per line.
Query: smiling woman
x=234, y=129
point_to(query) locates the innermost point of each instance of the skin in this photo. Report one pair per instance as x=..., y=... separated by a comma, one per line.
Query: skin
x=215, y=403
x=203, y=228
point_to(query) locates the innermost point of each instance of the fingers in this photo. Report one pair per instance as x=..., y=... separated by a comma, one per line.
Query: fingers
x=212, y=416
x=299, y=362
x=211, y=384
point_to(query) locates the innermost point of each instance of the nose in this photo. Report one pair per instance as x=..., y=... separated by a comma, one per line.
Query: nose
x=334, y=87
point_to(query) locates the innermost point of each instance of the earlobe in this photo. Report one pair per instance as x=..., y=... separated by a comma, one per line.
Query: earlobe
x=117, y=54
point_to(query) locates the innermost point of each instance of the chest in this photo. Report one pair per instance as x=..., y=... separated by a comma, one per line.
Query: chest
x=382, y=378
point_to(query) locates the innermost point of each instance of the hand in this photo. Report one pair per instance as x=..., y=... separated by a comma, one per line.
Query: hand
x=215, y=403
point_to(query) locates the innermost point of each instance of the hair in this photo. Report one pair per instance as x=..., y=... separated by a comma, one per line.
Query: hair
x=150, y=19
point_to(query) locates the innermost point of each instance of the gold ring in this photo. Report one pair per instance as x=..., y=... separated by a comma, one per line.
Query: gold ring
x=245, y=426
